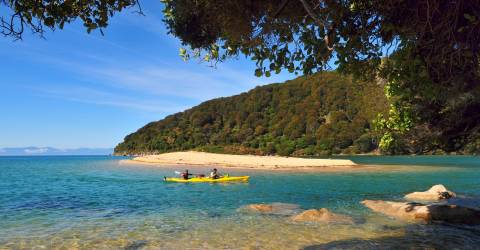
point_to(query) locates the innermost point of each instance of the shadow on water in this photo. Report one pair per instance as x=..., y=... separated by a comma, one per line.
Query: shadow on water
x=464, y=201
x=432, y=236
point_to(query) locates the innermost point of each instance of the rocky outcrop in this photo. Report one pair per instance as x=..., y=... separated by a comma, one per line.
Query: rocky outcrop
x=272, y=208
x=425, y=213
x=321, y=215
x=435, y=193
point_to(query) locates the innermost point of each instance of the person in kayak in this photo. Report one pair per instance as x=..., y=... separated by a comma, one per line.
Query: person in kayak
x=214, y=174
x=185, y=174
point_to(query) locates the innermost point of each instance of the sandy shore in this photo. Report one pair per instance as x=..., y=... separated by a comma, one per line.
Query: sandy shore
x=193, y=158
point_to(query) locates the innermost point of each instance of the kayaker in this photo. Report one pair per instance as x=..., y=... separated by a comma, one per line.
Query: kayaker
x=185, y=174
x=214, y=174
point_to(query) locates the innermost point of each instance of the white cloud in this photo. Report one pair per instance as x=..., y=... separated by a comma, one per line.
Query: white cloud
x=172, y=82
x=152, y=74
x=143, y=81
x=93, y=96
x=182, y=80
x=35, y=150
x=188, y=80
x=152, y=88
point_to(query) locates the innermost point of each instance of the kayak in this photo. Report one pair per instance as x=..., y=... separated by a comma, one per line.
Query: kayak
x=208, y=179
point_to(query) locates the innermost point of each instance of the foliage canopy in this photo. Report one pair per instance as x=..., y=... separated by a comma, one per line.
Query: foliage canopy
x=426, y=50
x=35, y=15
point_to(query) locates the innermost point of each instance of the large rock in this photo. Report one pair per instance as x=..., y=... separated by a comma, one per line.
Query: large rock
x=321, y=215
x=276, y=208
x=435, y=193
x=426, y=213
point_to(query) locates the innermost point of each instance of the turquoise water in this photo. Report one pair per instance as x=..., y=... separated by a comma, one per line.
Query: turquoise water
x=99, y=202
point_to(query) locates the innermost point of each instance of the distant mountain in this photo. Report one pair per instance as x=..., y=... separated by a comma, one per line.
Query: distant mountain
x=30, y=151
x=326, y=113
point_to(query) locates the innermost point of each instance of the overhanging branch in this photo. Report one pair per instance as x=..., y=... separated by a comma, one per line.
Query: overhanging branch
x=280, y=9
x=322, y=23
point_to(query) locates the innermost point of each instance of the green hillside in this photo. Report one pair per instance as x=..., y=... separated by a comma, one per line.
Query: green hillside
x=317, y=115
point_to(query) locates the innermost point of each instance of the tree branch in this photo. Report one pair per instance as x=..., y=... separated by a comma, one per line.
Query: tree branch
x=322, y=23
x=280, y=9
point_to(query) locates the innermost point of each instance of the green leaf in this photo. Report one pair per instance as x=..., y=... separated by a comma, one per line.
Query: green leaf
x=49, y=21
x=291, y=68
x=183, y=52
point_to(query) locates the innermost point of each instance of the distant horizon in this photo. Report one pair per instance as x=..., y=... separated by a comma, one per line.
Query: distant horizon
x=58, y=155
x=53, y=151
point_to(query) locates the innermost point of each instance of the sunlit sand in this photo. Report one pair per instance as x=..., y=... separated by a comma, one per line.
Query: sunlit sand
x=254, y=162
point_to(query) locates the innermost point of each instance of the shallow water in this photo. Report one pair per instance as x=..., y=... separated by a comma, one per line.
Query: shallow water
x=96, y=202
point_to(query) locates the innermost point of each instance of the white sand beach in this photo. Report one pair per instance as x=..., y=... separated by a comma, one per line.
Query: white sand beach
x=193, y=158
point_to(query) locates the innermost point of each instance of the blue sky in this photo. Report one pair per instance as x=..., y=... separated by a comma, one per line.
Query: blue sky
x=75, y=89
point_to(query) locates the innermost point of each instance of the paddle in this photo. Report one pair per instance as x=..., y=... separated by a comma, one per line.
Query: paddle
x=179, y=173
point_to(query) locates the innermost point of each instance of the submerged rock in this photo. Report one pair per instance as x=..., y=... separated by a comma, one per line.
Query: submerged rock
x=263, y=208
x=138, y=244
x=425, y=213
x=435, y=193
x=321, y=215
x=276, y=208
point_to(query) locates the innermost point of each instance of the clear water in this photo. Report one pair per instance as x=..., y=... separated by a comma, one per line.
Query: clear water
x=98, y=202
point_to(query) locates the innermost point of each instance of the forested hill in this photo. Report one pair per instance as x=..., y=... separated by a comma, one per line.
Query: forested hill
x=317, y=115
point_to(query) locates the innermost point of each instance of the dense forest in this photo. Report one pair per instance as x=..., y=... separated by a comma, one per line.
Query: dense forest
x=322, y=114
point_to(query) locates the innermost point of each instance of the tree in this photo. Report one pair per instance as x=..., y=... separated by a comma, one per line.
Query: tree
x=427, y=51
x=38, y=14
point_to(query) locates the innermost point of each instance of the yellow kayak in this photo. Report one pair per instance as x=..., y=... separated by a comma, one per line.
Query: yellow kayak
x=208, y=179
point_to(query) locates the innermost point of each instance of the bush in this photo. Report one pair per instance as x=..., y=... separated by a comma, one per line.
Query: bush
x=310, y=150
x=364, y=143
x=472, y=147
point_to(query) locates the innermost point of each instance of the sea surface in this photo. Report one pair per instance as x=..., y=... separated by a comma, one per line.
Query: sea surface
x=72, y=202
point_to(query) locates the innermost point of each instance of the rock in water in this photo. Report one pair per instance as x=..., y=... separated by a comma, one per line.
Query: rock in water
x=402, y=210
x=276, y=208
x=435, y=193
x=321, y=215
x=426, y=213
x=263, y=208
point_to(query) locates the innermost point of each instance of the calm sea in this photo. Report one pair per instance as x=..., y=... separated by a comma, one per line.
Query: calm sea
x=98, y=202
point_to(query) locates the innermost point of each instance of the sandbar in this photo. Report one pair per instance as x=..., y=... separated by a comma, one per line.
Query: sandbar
x=253, y=162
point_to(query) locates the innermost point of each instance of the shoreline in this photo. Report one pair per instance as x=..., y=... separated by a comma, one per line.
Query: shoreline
x=249, y=162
